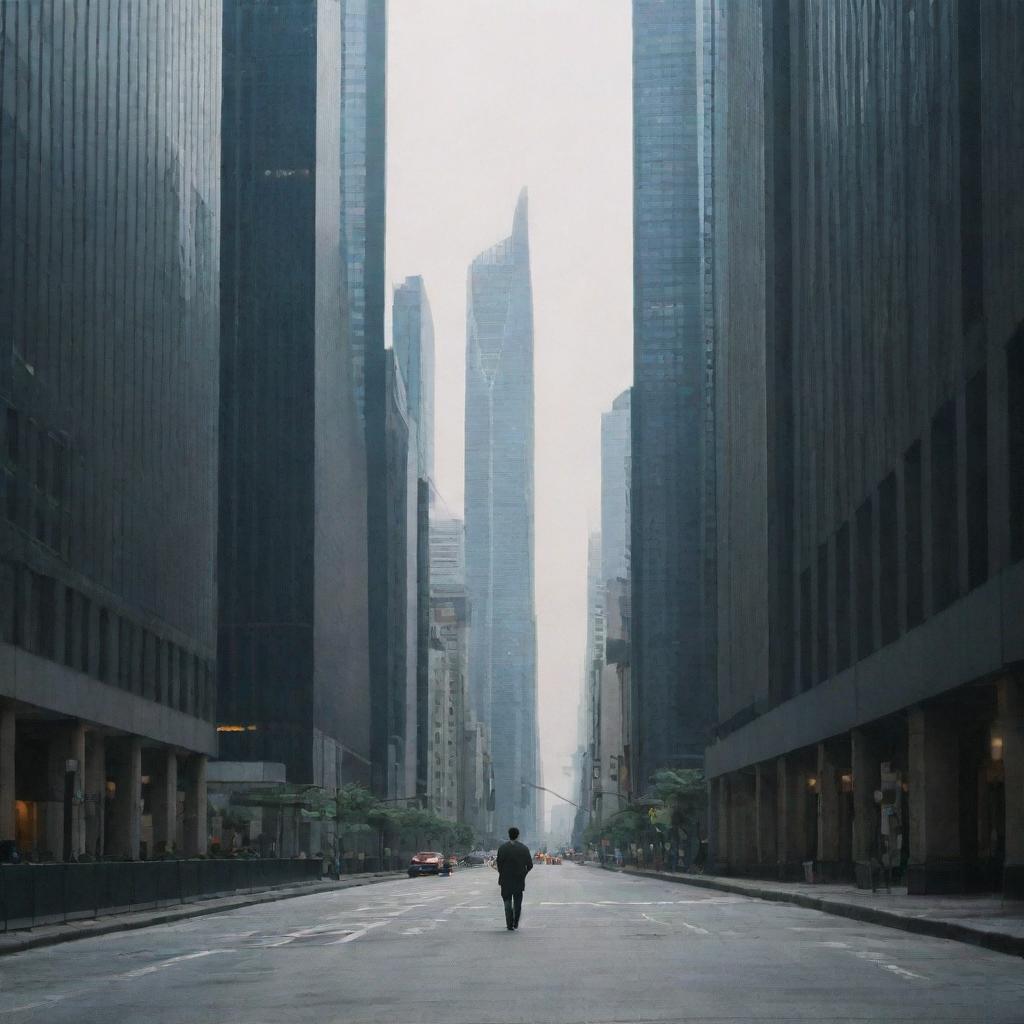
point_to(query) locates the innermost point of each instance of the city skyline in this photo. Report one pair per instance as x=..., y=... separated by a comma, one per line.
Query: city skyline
x=532, y=96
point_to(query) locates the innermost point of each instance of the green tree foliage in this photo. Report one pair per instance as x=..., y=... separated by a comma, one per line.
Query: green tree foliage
x=684, y=792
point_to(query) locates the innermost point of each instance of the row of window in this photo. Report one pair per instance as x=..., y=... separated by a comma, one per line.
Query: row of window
x=34, y=481
x=55, y=621
x=848, y=597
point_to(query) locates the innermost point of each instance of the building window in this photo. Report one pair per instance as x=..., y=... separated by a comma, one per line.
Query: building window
x=842, y=598
x=1015, y=415
x=69, y=628
x=945, y=532
x=822, y=617
x=806, y=668
x=104, y=646
x=8, y=594
x=43, y=615
x=865, y=562
x=913, y=545
x=977, y=480
x=888, y=561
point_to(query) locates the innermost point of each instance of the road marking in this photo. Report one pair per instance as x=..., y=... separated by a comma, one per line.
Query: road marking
x=141, y=972
x=51, y=1001
x=685, y=924
x=878, y=959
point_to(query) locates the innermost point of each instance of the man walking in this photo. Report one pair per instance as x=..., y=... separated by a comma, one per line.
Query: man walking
x=514, y=863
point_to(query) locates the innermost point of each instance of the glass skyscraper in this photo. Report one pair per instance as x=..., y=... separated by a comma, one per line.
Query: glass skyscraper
x=292, y=558
x=412, y=335
x=673, y=698
x=362, y=118
x=499, y=518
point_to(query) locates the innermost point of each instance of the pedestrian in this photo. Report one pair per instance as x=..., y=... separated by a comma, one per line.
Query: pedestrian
x=514, y=864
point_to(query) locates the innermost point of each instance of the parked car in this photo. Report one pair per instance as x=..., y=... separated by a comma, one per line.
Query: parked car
x=427, y=862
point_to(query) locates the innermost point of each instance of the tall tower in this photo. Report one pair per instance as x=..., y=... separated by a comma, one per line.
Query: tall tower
x=292, y=558
x=674, y=694
x=362, y=118
x=413, y=339
x=499, y=518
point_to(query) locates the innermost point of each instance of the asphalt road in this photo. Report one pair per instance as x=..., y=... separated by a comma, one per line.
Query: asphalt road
x=593, y=947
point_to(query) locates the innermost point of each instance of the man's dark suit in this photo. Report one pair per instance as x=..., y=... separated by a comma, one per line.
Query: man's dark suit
x=514, y=864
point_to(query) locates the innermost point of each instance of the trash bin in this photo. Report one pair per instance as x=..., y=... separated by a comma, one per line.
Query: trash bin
x=809, y=872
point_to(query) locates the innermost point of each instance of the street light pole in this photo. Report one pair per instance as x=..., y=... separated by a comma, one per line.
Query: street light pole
x=544, y=789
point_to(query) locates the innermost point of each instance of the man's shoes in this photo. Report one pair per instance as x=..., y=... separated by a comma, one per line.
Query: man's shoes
x=511, y=927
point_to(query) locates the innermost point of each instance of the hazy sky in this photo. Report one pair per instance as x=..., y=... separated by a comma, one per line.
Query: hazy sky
x=485, y=96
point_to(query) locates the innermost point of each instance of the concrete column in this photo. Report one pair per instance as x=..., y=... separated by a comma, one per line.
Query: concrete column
x=164, y=801
x=51, y=844
x=76, y=753
x=764, y=801
x=1011, y=731
x=95, y=786
x=791, y=809
x=126, y=811
x=7, y=743
x=195, y=805
x=720, y=852
x=828, y=806
x=742, y=821
x=934, y=796
x=865, y=765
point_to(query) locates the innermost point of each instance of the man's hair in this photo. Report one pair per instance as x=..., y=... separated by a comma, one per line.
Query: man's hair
x=513, y=833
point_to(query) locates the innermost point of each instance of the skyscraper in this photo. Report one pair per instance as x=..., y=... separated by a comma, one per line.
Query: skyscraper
x=412, y=332
x=109, y=240
x=871, y=428
x=673, y=693
x=293, y=545
x=363, y=150
x=615, y=489
x=499, y=517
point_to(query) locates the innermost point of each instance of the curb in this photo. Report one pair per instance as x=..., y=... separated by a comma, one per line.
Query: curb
x=90, y=929
x=1000, y=942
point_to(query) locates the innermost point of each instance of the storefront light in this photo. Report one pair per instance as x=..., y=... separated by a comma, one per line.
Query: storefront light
x=997, y=748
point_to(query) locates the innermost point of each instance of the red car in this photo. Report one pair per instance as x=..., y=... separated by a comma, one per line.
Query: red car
x=426, y=863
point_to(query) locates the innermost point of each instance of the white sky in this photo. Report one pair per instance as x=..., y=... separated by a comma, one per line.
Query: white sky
x=485, y=96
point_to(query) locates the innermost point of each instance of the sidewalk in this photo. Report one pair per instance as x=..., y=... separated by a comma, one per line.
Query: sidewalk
x=51, y=935
x=985, y=920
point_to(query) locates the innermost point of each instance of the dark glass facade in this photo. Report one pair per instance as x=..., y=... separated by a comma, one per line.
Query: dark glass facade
x=870, y=619
x=363, y=146
x=109, y=239
x=292, y=554
x=673, y=703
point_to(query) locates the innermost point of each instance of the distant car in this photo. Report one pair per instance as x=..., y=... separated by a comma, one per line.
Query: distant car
x=428, y=862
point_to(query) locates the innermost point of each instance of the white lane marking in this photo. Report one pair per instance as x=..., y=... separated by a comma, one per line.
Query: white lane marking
x=878, y=959
x=359, y=934
x=51, y=1001
x=633, y=903
x=836, y=945
x=141, y=972
x=685, y=924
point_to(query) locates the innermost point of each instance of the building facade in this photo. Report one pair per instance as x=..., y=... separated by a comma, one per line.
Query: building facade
x=674, y=703
x=413, y=342
x=499, y=518
x=395, y=705
x=292, y=559
x=108, y=379
x=871, y=632
x=616, y=467
x=364, y=203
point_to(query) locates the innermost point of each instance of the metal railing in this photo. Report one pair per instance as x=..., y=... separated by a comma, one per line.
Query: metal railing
x=35, y=894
